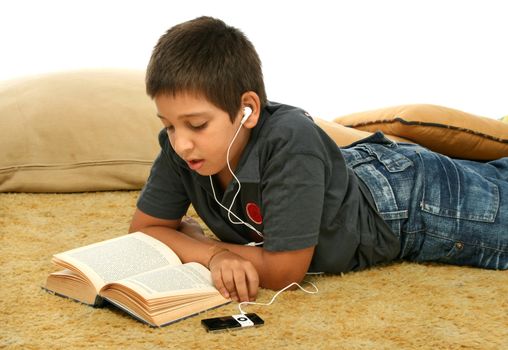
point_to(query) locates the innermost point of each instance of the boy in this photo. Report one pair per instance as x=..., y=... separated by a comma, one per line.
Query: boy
x=281, y=196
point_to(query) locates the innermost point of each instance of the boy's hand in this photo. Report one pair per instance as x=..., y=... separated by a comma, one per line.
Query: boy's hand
x=234, y=277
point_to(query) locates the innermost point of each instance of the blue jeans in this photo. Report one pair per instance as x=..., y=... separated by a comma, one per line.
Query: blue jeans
x=443, y=210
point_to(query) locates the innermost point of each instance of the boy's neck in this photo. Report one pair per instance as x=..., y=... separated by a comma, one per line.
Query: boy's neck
x=223, y=179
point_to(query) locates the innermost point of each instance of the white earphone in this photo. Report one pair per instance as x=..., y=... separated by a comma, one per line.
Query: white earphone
x=247, y=111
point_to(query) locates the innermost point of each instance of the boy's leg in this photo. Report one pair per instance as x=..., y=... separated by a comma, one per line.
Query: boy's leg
x=443, y=210
x=460, y=215
x=497, y=169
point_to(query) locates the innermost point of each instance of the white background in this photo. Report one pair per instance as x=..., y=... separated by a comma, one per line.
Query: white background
x=329, y=57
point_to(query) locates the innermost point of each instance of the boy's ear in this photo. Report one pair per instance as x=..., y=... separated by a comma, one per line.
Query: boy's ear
x=251, y=99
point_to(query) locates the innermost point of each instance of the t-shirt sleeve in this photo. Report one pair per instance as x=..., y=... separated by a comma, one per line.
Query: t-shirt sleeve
x=164, y=195
x=292, y=193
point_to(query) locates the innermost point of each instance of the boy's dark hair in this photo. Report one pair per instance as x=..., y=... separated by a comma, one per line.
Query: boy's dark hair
x=208, y=57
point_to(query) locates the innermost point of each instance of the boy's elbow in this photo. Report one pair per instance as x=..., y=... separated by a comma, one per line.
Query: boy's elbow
x=280, y=282
x=285, y=268
x=141, y=221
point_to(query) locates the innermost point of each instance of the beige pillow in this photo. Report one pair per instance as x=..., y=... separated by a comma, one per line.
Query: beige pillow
x=445, y=130
x=87, y=130
x=344, y=136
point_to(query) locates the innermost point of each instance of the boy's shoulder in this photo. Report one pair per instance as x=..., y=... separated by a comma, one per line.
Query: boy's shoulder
x=286, y=113
x=281, y=119
x=289, y=127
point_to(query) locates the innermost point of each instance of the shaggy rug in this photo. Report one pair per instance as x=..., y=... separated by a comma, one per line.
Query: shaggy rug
x=399, y=306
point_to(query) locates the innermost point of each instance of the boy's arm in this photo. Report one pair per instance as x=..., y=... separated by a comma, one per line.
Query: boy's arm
x=236, y=272
x=283, y=267
x=276, y=269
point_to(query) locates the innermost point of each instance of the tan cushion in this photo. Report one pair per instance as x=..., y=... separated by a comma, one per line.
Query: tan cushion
x=76, y=131
x=344, y=136
x=444, y=130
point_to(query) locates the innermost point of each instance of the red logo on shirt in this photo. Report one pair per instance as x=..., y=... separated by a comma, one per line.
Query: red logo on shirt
x=254, y=213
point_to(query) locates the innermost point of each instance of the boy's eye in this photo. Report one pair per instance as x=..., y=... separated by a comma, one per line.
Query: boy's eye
x=170, y=128
x=198, y=126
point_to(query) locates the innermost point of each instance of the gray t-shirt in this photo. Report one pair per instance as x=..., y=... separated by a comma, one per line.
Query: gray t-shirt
x=295, y=189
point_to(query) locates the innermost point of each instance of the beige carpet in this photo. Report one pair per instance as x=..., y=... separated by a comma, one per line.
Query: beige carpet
x=402, y=306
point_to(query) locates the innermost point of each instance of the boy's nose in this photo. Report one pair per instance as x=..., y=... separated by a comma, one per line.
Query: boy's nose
x=182, y=145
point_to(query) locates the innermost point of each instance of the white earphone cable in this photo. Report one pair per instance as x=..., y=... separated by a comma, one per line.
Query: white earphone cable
x=236, y=223
x=277, y=294
x=229, y=210
x=234, y=176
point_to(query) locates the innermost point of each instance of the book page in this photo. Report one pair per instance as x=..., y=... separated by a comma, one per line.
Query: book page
x=190, y=277
x=72, y=285
x=118, y=258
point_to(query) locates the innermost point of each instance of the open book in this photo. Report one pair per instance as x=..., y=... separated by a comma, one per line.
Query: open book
x=138, y=274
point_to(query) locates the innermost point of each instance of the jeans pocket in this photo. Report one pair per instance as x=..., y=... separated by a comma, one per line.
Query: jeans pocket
x=388, y=176
x=455, y=191
x=392, y=161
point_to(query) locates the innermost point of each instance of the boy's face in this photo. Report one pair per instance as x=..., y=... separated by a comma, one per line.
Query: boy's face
x=200, y=133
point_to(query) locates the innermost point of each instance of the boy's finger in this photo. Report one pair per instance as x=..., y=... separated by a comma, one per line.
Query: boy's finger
x=252, y=283
x=217, y=282
x=234, y=296
x=228, y=281
x=241, y=285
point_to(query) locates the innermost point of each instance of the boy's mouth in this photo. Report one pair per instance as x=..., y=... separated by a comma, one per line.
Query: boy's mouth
x=195, y=164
